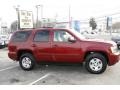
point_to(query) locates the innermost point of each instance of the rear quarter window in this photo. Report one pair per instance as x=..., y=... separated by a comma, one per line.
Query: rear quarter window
x=21, y=36
x=42, y=36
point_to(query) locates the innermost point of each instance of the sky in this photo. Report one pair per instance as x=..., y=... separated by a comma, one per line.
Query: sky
x=79, y=9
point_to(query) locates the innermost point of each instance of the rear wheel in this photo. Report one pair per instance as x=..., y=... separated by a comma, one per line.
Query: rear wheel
x=27, y=61
x=96, y=63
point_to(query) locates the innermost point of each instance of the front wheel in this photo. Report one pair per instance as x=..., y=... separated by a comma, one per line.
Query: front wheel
x=27, y=61
x=96, y=63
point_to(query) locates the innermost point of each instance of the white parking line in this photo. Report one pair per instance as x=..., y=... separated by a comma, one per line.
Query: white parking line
x=7, y=68
x=39, y=79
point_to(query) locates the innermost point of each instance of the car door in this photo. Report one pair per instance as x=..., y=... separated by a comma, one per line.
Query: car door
x=42, y=45
x=64, y=50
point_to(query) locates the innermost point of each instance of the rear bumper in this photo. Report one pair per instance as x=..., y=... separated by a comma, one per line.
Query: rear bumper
x=12, y=56
x=113, y=58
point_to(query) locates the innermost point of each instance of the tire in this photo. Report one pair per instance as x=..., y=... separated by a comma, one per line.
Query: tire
x=118, y=46
x=95, y=63
x=2, y=46
x=27, y=61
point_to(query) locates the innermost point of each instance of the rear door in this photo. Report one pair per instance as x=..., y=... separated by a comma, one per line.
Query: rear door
x=42, y=45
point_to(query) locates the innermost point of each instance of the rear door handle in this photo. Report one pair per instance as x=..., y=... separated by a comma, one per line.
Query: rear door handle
x=55, y=45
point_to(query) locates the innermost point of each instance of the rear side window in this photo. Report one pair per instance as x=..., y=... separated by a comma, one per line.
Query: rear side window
x=21, y=36
x=42, y=36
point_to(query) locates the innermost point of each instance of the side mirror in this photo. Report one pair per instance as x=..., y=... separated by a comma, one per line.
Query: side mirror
x=71, y=39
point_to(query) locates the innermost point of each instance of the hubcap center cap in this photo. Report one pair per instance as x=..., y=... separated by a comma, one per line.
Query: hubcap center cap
x=95, y=64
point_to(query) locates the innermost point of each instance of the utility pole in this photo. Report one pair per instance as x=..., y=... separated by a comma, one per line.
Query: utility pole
x=41, y=12
x=17, y=11
x=37, y=18
x=69, y=16
x=109, y=24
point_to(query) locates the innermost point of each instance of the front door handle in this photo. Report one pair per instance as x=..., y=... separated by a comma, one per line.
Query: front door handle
x=33, y=45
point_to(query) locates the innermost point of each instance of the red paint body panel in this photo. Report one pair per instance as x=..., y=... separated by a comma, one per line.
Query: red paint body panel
x=113, y=59
x=67, y=52
x=60, y=51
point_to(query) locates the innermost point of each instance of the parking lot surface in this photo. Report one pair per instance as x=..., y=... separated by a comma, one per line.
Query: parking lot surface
x=12, y=74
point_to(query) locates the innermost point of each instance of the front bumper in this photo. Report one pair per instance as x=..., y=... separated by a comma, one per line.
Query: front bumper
x=113, y=58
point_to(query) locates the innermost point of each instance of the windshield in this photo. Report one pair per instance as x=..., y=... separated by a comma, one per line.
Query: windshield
x=77, y=34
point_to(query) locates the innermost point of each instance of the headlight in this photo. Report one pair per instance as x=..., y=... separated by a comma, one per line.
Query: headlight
x=114, y=49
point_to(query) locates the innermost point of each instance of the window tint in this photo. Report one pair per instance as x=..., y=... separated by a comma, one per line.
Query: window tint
x=42, y=36
x=62, y=36
x=21, y=36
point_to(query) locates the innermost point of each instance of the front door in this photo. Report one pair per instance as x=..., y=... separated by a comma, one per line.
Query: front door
x=63, y=49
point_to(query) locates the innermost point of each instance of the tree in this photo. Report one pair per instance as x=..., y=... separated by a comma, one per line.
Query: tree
x=93, y=23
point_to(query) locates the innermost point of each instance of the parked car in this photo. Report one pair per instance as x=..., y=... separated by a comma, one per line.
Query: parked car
x=2, y=44
x=116, y=39
x=3, y=40
x=61, y=46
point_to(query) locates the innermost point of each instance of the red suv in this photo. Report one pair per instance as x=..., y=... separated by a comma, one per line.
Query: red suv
x=62, y=46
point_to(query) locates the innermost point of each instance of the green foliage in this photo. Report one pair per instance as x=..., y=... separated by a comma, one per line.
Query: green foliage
x=92, y=23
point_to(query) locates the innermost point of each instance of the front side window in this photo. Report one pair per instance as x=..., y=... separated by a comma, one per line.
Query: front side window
x=21, y=36
x=62, y=36
x=42, y=36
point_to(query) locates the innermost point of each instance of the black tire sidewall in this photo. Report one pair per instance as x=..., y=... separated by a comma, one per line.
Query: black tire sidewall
x=99, y=56
x=30, y=56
